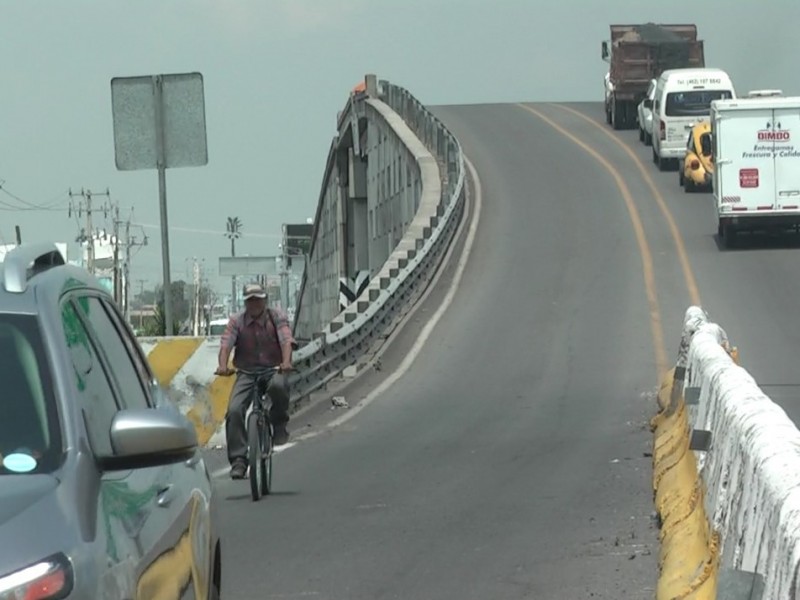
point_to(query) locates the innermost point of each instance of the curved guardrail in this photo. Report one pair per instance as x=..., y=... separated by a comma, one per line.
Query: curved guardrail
x=415, y=258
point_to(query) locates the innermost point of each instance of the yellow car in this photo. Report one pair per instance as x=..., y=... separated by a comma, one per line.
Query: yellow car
x=697, y=166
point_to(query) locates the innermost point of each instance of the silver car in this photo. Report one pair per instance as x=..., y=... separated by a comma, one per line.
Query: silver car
x=103, y=491
x=645, y=115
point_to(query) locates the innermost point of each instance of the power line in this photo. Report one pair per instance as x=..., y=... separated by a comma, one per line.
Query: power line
x=49, y=206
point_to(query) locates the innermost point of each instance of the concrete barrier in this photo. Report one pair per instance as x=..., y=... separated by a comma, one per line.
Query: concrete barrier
x=184, y=366
x=726, y=475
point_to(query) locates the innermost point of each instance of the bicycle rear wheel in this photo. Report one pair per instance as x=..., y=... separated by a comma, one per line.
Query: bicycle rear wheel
x=254, y=456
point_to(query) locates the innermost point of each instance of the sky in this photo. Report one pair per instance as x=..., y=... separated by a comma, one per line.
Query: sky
x=275, y=73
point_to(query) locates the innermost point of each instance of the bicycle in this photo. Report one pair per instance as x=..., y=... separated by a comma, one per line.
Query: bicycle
x=260, y=434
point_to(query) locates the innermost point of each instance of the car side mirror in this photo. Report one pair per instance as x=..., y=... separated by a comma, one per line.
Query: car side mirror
x=150, y=437
x=604, y=51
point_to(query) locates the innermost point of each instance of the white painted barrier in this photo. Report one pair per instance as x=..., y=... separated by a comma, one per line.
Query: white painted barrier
x=751, y=470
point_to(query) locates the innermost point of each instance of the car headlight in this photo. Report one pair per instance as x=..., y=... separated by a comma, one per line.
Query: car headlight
x=49, y=579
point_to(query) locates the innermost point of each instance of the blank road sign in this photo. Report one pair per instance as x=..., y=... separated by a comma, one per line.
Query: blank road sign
x=136, y=139
x=247, y=265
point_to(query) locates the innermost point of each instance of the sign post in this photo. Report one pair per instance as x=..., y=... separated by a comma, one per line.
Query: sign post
x=159, y=123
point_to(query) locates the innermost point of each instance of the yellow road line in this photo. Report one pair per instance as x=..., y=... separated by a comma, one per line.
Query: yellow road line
x=641, y=239
x=683, y=257
x=168, y=356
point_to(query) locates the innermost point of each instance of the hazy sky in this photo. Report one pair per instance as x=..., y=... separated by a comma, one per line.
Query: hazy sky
x=277, y=71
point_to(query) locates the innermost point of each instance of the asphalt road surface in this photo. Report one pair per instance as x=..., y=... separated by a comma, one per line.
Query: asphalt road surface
x=512, y=459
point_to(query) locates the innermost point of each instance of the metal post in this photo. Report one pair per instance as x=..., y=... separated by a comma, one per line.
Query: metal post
x=116, y=269
x=196, y=319
x=90, y=232
x=141, y=304
x=284, y=271
x=233, y=277
x=233, y=231
x=127, y=272
x=162, y=201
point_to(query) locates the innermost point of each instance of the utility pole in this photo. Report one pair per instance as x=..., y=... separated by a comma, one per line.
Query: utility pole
x=117, y=278
x=196, y=317
x=131, y=241
x=126, y=288
x=141, y=304
x=123, y=272
x=85, y=207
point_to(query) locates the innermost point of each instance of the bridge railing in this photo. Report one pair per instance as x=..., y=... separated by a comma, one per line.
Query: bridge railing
x=416, y=257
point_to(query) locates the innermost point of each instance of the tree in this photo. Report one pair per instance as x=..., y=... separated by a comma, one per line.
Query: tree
x=147, y=297
x=180, y=308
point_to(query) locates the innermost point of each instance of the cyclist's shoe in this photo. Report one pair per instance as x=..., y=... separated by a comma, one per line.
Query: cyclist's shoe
x=238, y=470
x=280, y=435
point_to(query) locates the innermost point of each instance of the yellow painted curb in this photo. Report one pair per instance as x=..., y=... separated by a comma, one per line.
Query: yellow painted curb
x=688, y=557
x=169, y=356
x=209, y=415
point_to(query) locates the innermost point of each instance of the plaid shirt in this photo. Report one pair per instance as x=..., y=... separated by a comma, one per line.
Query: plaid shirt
x=257, y=342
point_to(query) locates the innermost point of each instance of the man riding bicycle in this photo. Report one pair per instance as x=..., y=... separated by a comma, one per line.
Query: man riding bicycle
x=262, y=337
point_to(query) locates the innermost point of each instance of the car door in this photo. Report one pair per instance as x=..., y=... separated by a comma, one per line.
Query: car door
x=142, y=512
x=191, y=482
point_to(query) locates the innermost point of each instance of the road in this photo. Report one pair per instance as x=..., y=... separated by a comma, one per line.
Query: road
x=511, y=460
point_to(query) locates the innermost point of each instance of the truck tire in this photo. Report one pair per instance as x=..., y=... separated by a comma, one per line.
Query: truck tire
x=617, y=115
x=727, y=234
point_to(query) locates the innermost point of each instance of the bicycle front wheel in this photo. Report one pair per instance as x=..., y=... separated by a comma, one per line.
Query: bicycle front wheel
x=266, y=457
x=254, y=456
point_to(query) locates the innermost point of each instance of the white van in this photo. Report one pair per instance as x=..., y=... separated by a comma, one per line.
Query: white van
x=682, y=98
x=217, y=326
x=757, y=164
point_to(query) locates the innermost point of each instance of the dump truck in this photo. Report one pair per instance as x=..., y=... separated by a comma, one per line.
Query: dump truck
x=637, y=54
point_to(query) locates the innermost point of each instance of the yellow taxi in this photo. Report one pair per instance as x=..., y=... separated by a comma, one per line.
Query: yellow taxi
x=697, y=166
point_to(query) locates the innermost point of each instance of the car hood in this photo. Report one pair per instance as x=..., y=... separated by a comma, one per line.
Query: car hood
x=20, y=493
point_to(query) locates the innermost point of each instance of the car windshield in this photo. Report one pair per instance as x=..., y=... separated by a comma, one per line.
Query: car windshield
x=30, y=434
x=694, y=102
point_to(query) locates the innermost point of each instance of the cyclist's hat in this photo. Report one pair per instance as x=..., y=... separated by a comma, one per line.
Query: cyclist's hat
x=253, y=290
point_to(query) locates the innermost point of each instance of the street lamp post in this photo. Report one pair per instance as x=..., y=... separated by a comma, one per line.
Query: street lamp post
x=233, y=232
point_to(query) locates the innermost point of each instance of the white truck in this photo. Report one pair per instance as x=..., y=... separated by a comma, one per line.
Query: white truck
x=756, y=149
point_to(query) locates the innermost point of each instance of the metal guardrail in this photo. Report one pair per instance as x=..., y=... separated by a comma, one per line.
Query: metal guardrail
x=355, y=330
